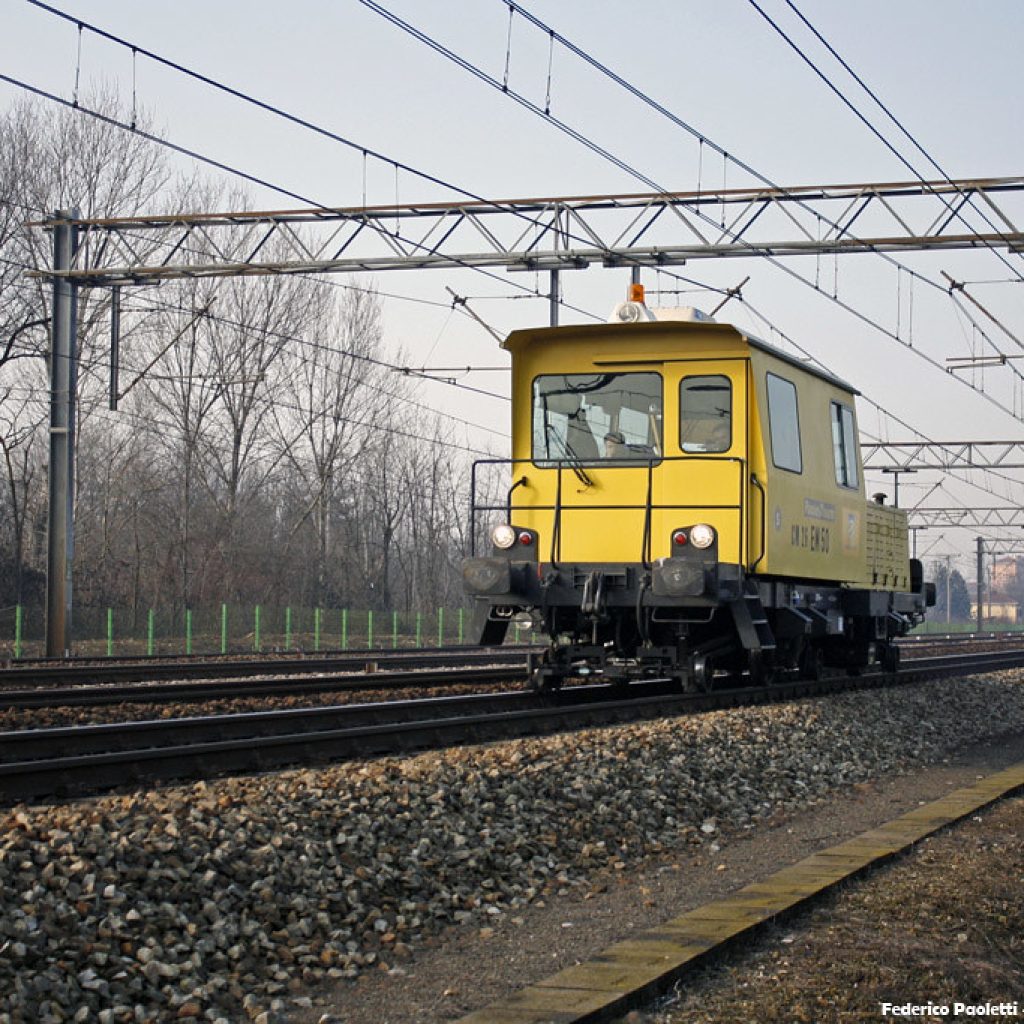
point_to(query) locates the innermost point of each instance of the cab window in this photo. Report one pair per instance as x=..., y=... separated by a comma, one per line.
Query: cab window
x=784, y=424
x=705, y=414
x=844, y=445
x=595, y=418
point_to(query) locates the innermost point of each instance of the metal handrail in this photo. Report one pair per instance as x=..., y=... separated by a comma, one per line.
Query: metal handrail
x=648, y=505
x=764, y=519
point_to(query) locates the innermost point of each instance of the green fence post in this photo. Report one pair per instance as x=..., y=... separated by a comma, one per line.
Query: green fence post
x=316, y=629
x=188, y=630
x=150, y=632
x=17, y=630
x=369, y=629
x=461, y=617
x=419, y=629
x=394, y=630
x=440, y=627
x=256, y=629
x=288, y=629
x=110, y=632
x=344, y=629
x=223, y=629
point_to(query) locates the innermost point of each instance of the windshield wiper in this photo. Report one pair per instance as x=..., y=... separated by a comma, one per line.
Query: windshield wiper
x=576, y=465
x=575, y=462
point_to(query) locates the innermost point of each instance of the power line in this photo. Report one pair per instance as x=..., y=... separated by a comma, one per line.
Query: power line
x=275, y=110
x=811, y=358
x=917, y=145
x=490, y=80
x=465, y=64
x=349, y=143
x=647, y=100
x=863, y=119
x=261, y=104
x=255, y=179
x=325, y=414
x=679, y=122
x=383, y=364
x=499, y=86
x=147, y=419
x=283, y=336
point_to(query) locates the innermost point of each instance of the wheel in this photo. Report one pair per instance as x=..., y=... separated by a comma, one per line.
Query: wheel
x=544, y=677
x=761, y=668
x=702, y=673
x=890, y=658
x=811, y=662
x=858, y=658
x=546, y=680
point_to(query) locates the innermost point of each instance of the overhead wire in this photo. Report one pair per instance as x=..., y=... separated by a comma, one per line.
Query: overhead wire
x=238, y=94
x=323, y=414
x=239, y=325
x=728, y=231
x=917, y=145
x=319, y=129
x=954, y=212
x=261, y=182
x=814, y=360
x=348, y=142
x=278, y=112
x=728, y=157
x=252, y=178
x=147, y=419
x=582, y=54
x=334, y=350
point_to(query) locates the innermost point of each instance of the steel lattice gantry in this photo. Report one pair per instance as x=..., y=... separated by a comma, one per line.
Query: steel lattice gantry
x=898, y=457
x=976, y=518
x=654, y=229
x=911, y=456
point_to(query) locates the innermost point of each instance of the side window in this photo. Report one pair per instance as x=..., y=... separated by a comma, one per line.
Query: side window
x=705, y=414
x=844, y=445
x=784, y=424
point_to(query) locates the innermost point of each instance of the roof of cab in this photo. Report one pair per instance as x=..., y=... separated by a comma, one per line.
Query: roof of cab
x=518, y=340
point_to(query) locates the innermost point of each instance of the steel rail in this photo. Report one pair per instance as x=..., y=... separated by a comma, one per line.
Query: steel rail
x=154, y=751
x=501, y=670
x=410, y=677
x=90, y=676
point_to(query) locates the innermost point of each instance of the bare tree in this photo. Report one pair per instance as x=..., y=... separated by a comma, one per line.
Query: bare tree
x=262, y=441
x=334, y=398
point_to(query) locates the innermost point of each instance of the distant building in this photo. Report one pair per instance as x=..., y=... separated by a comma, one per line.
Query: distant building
x=1007, y=572
x=997, y=611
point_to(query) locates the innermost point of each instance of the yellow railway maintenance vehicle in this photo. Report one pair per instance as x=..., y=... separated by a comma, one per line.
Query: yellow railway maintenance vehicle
x=683, y=499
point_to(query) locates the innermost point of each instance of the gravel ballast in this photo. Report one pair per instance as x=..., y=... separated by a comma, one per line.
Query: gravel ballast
x=227, y=900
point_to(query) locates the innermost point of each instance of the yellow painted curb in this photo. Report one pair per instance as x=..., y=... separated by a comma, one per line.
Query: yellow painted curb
x=639, y=969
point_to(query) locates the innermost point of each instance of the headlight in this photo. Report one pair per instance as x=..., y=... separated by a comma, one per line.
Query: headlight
x=629, y=312
x=702, y=535
x=503, y=536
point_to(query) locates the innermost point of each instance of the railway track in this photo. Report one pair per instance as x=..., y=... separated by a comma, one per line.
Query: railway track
x=46, y=671
x=501, y=669
x=44, y=686
x=83, y=759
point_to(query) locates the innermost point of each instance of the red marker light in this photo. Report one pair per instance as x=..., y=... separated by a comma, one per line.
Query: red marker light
x=525, y=538
x=679, y=537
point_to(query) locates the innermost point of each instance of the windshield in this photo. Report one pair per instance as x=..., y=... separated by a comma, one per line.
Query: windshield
x=596, y=418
